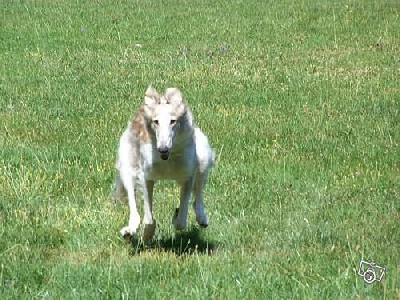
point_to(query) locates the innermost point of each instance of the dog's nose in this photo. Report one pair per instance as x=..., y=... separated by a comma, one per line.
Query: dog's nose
x=163, y=150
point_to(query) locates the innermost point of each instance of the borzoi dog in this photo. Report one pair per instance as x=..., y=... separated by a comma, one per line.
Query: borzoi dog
x=162, y=142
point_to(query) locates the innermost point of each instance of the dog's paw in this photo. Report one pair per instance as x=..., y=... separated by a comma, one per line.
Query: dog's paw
x=202, y=221
x=148, y=231
x=127, y=232
x=178, y=224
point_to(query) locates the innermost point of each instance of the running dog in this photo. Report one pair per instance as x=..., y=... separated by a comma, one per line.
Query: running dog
x=162, y=142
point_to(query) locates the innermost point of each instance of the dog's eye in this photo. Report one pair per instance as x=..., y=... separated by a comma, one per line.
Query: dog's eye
x=172, y=122
x=155, y=122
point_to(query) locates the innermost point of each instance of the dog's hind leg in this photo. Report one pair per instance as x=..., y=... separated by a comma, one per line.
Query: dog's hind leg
x=148, y=221
x=205, y=159
x=198, y=204
x=127, y=177
x=179, y=219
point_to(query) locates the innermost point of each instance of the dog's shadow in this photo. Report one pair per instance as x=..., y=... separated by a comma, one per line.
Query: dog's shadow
x=188, y=242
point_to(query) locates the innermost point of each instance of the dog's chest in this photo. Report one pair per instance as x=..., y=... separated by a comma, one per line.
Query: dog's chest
x=179, y=166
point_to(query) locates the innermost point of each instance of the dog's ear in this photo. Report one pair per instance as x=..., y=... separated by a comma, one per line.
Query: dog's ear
x=174, y=96
x=150, y=96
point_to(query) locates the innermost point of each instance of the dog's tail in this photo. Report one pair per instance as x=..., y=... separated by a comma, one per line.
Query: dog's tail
x=117, y=189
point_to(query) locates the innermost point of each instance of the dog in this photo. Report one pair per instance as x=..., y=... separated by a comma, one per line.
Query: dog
x=162, y=142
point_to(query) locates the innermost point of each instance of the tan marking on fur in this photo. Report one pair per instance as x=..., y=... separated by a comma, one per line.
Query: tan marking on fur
x=139, y=126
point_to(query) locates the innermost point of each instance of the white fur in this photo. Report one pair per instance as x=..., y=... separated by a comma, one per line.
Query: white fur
x=168, y=122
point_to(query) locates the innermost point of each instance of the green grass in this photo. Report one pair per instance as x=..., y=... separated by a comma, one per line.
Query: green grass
x=300, y=100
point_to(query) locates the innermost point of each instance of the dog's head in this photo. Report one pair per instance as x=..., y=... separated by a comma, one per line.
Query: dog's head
x=164, y=114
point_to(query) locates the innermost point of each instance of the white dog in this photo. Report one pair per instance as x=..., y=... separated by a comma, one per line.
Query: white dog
x=162, y=142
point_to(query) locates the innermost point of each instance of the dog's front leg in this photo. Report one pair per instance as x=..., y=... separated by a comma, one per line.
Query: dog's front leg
x=180, y=216
x=134, y=218
x=149, y=222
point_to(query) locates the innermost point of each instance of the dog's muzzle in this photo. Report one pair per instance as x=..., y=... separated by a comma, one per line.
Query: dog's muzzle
x=164, y=152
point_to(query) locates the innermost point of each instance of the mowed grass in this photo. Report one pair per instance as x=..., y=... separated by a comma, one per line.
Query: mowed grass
x=300, y=100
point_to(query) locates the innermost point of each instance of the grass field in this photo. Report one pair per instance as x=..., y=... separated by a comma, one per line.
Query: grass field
x=300, y=100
